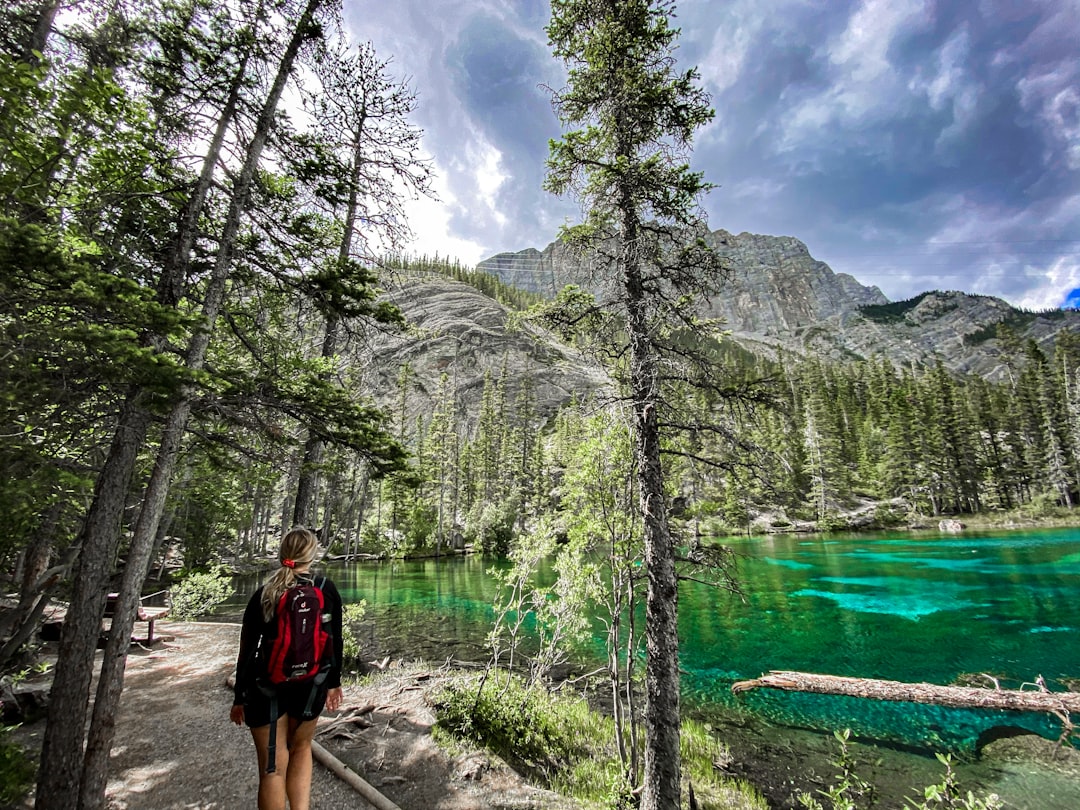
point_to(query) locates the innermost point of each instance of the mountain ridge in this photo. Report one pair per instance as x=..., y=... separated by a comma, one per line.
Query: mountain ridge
x=780, y=298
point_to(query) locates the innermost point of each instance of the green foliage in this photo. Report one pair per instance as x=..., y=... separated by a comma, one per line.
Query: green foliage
x=559, y=740
x=528, y=728
x=17, y=770
x=558, y=613
x=351, y=615
x=887, y=515
x=892, y=312
x=850, y=792
x=198, y=593
x=419, y=524
x=1016, y=321
x=490, y=526
x=946, y=794
x=508, y=295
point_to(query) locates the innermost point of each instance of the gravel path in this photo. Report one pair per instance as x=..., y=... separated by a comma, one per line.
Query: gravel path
x=175, y=748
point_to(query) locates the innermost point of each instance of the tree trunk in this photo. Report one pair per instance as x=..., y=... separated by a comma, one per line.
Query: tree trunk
x=91, y=794
x=33, y=584
x=43, y=26
x=62, y=747
x=111, y=681
x=288, y=502
x=304, y=512
x=957, y=697
x=662, y=775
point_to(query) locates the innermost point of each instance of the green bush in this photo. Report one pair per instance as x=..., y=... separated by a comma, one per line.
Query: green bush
x=570, y=747
x=850, y=792
x=351, y=615
x=199, y=593
x=522, y=726
x=16, y=770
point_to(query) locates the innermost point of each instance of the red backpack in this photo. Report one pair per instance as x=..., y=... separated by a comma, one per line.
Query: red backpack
x=297, y=652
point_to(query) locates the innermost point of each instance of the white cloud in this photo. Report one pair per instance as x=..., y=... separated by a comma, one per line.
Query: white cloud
x=722, y=66
x=863, y=49
x=866, y=85
x=486, y=162
x=430, y=221
x=1052, y=97
x=953, y=86
x=1052, y=284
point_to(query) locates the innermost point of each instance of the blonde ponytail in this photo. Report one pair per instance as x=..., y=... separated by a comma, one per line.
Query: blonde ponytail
x=298, y=549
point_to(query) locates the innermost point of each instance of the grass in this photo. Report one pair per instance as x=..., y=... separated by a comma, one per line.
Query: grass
x=562, y=743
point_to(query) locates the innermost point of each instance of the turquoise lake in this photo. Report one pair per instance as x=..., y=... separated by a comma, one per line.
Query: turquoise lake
x=908, y=607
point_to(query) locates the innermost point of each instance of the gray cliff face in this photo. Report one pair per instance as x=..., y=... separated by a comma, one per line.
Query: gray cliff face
x=777, y=287
x=775, y=284
x=456, y=330
x=778, y=297
x=523, y=270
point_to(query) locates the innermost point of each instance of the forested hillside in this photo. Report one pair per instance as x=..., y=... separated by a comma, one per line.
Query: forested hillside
x=209, y=333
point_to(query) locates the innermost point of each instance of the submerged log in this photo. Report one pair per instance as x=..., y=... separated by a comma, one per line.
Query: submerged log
x=1060, y=704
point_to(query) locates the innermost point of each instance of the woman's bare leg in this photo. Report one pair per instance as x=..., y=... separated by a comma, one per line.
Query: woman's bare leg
x=272, y=785
x=298, y=776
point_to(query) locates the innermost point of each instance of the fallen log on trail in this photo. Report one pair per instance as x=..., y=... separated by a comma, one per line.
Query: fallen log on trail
x=351, y=778
x=1040, y=699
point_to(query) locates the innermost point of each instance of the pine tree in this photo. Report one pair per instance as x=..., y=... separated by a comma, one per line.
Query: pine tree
x=636, y=116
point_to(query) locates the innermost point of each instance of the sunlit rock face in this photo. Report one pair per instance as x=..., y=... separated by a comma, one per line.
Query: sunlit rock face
x=458, y=331
x=776, y=297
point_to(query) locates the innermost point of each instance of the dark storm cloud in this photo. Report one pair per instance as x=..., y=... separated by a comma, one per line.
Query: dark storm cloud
x=911, y=144
x=499, y=78
x=915, y=144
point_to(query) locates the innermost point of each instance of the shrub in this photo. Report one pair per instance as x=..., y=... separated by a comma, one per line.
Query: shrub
x=523, y=726
x=570, y=747
x=886, y=515
x=199, y=593
x=351, y=614
x=946, y=794
x=16, y=770
x=850, y=792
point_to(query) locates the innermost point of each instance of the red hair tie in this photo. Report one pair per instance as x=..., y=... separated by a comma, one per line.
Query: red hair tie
x=289, y=563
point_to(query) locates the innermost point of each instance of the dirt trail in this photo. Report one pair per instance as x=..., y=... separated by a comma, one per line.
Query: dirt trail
x=176, y=749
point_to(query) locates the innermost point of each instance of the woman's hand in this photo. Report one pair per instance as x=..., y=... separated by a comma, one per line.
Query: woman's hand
x=236, y=713
x=334, y=698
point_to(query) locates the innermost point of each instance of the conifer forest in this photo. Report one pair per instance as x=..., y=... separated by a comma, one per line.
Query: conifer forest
x=201, y=206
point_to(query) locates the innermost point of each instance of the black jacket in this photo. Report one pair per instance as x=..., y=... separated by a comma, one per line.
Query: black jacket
x=258, y=634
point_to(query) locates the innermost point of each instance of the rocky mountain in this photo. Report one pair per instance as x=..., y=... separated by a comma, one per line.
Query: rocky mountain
x=778, y=297
x=456, y=330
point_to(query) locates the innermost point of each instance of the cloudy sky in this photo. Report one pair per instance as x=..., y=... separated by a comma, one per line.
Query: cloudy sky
x=915, y=144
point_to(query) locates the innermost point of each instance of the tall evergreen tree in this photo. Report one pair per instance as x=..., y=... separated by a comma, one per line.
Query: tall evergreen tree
x=636, y=115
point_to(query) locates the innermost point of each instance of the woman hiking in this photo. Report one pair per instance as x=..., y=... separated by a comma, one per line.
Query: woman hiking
x=275, y=693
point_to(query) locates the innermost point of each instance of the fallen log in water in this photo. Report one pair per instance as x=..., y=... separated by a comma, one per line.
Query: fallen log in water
x=1039, y=699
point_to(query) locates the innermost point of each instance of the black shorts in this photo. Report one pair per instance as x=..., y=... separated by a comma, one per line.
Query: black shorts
x=303, y=700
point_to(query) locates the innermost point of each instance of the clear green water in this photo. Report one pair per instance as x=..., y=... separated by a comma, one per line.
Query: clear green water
x=907, y=608
x=901, y=607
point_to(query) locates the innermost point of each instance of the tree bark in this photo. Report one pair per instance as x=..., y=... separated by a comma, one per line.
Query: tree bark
x=43, y=26
x=95, y=765
x=663, y=768
x=957, y=697
x=34, y=586
x=62, y=747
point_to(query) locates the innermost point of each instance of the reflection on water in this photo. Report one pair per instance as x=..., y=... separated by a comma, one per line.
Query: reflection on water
x=900, y=607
